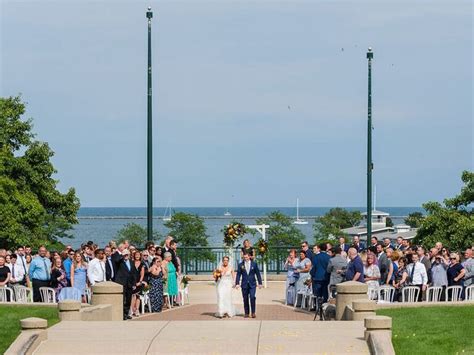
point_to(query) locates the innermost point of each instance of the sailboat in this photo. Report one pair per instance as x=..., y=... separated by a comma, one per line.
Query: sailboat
x=227, y=213
x=167, y=217
x=298, y=219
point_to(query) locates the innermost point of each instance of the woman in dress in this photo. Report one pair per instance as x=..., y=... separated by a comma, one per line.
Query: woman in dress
x=225, y=307
x=371, y=275
x=58, y=277
x=138, y=272
x=400, y=277
x=156, y=285
x=291, y=277
x=247, y=248
x=79, y=274
x=170, y=276
x=303, y=267
x=455, y=273
x=5, y=275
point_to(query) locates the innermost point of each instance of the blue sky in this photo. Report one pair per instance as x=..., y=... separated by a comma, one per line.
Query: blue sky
x=224, y=74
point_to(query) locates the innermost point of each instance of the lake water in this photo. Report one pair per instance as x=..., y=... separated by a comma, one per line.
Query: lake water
x=102, y=224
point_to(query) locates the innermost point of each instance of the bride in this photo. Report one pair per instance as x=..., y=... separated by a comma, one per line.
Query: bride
x=224, y=290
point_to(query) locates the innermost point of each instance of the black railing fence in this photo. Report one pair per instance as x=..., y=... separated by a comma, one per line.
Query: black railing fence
x=201, y=260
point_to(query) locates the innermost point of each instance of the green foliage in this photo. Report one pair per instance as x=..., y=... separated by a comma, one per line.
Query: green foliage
x=414, y=219
x=388, y=222
x=282, y=231
x=453, y=223
x=135, y=234
x=329, y=226
x=431, y=330
x=32, y=210
x=189, y=230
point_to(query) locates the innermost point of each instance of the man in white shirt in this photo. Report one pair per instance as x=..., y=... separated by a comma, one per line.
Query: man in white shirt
x=17, y=271
x=418, y=276
x=21, y=264
x=96, y=269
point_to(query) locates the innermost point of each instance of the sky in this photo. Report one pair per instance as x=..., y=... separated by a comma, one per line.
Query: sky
x=255, y=103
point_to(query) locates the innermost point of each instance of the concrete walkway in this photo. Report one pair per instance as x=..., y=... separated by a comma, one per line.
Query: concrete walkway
x=202, y=337
x=193, y=329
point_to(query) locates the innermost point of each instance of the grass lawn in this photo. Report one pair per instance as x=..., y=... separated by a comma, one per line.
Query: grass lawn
x=432, y=330
x=10, y=321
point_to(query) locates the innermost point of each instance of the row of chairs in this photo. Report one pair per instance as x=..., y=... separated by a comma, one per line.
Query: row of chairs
x=24, y=294
x=387, y=293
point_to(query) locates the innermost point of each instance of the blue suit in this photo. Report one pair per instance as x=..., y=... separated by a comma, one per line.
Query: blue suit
x=248, y=284
x=320, y=276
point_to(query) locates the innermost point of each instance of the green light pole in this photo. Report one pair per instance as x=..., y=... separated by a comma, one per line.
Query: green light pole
x=149, y=16
x=370, y=165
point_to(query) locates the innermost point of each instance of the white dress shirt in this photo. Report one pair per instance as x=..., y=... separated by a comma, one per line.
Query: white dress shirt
x=96, y=271
x=17, y=272
x=420, y=277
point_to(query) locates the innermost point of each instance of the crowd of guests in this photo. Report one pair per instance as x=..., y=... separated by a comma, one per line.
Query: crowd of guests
x=400, y=264
x=155, y=270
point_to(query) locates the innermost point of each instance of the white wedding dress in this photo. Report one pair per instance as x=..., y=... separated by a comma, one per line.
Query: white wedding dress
x=224, y=295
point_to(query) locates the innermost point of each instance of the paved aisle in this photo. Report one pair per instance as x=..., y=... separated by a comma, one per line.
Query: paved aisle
x=204, y=337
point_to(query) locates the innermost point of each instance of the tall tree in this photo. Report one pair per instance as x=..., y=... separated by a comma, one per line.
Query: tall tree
x=32, y=210
x=451, y=223
x=135, y=234
x=330, y=225
x=282, y=231
x=414, y=219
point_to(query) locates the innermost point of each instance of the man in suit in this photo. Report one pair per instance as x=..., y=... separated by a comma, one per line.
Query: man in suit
x=307, y=250
x=336, y=268
x=357, y=244
x=384, y=265
x=249, y=273
x=110, y=269
x=425, y=260
x=319, y=275
x=342, y=244
x=125, y=278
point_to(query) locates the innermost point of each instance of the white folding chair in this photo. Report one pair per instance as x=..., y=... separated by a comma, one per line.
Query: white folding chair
x=410, y=294
x=145, y=300
x=386, y=294
x=372, y=292
x=469, y=293
x=434, y=293
x=454, y=295
x=167, y=298
x=6, y=294
x=48, y=295
x=304, y=293
x=22, y=294
x=88, y=294
x=184, y=293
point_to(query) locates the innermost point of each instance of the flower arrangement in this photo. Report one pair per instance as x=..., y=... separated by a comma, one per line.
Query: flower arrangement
x=146, y=288
x=217, y=274
x=185, y=280
x=232, y=232
x=308, y=282
x=262, y=247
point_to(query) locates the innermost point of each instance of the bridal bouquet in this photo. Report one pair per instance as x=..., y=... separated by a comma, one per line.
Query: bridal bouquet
x=232, y=232
x=217, y=274
x=185, y=280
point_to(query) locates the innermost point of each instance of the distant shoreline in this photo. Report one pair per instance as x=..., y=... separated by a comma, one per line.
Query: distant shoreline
x=203, y=217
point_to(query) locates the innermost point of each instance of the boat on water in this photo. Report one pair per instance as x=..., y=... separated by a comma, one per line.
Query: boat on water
x=227, y=213
x=168, y=214
x=298, y=220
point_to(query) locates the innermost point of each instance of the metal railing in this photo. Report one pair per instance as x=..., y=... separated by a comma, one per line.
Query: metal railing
x=201, y=260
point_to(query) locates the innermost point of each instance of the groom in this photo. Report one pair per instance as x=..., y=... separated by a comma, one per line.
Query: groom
x=248, y=270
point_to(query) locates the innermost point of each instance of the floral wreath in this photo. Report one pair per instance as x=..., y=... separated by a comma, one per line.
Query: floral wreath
x=233, y=232
x=262, y=247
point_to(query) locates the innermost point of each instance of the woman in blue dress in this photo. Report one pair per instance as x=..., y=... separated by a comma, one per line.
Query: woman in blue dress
x=170, y=275
x=291, y=277
x=79, y=275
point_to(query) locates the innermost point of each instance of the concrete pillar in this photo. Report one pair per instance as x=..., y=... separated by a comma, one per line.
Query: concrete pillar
x=363, y=309
x=378, y=324
x=33, y=323
x=347, y=292
x=69, y=310
x=109, y=293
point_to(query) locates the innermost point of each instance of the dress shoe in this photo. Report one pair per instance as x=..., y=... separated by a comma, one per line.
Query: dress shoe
x=127, y=317
x=246, y=316
x=254, y=315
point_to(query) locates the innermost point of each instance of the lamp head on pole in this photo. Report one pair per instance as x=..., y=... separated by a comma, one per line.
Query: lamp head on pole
x=370, y=55
x=149, y=13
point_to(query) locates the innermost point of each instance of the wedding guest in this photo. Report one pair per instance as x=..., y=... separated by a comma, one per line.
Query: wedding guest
x=17, y=273
x=438, y=270
x=58, y=277
x=79, y=275
x=417, y=274
x=174, y=256
x=343, y=245
x=40, y=273
x=383, y=264
x=5, y=274
x=468, y=264
x=303, y=267
x=305, y=247
x=357, y=244
x=67, y=265
x=291, y=277
x=109, y=264
x=96, y=268
x=337, y=266
x=22, y=265
x=170, y=276
x=125, y=278
x=138, y=273
x=319, y=275
x=156, y=285
x=355, y=268
x=455, y=271
x=401, y=276
x=28, y=259
x=371, y=274
x=152, y=253
x=247, y=248
x=146, y=259
x=399, y=245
